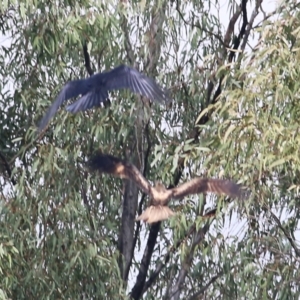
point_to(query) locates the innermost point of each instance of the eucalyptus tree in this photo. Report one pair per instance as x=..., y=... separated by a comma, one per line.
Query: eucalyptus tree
x=232, y=70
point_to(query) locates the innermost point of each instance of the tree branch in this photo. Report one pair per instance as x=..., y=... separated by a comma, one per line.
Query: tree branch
x=138, y=227
x=126, y=238
x=137, y=290
x=166, y=259
x=285, y=232
x=7, y=168
x=87, y=59
x=236, y=44
x=250, y=24
x=154, y=46
x=174, y=293
x=160, y=266
x=211, y=281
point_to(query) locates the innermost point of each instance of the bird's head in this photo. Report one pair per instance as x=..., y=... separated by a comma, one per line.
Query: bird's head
x=159, y=187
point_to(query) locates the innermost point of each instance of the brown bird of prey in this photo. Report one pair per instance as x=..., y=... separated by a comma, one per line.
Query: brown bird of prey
x=159, y=195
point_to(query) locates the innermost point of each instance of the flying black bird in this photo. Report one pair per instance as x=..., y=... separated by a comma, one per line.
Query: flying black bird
x=94, y=90
x=160, y=196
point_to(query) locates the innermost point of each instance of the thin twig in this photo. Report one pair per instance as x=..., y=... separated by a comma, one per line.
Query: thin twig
x=286, y=233
x=211, y=281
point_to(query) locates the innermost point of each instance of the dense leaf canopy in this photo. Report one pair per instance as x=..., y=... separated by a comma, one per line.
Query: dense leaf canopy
x=233, y=72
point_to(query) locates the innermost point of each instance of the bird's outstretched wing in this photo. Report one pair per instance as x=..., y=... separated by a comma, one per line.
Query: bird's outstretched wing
x=124, y=77
x=94, y=98
x=205, y=185
x=94, y=90
x=112, y=165
x=70, y=90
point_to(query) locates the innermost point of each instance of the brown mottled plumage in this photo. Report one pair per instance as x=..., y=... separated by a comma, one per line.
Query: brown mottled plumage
x=160, y=196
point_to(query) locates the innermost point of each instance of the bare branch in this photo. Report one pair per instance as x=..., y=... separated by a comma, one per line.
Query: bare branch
x=250, y=24
x=230, y=28
x=137, y=290
x=147, y=154
x=236, y=44
x=237, y=41
x=87, y=59
x=126, y=238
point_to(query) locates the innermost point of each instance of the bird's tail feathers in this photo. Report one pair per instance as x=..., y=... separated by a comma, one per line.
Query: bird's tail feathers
x=155, y=214
x=105, y=163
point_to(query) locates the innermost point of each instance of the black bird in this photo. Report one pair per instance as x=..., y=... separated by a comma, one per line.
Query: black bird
x=94, y=90
x=159, y=195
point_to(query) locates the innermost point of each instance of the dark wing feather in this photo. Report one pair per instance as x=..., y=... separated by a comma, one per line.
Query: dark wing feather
x=120, y=168
x=204, y=185
x=94, y=90
x=70, y=90
x=92, y=99
x=124, y=77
